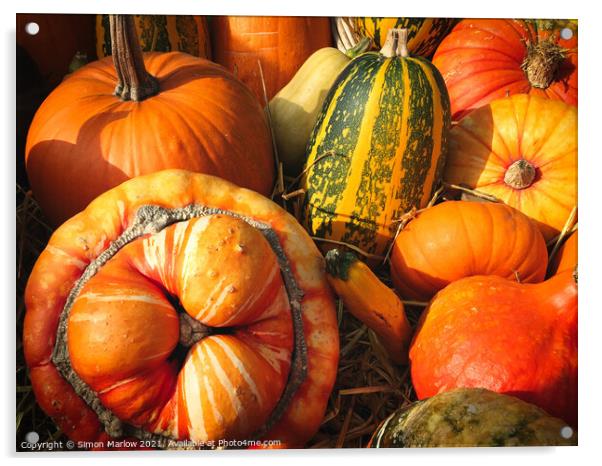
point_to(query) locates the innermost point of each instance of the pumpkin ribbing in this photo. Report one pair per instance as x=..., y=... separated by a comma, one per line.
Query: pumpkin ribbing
x=377, y=149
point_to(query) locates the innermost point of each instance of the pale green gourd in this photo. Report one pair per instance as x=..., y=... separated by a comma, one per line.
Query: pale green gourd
x=294, y=110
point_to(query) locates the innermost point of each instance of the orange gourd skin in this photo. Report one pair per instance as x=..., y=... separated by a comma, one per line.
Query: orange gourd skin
x=458, y=239
x=281, y=43
x=566, y=257
x=520, y=129
x=480, y=61
x=512, y=338
x=134, y=328
x=84, y=140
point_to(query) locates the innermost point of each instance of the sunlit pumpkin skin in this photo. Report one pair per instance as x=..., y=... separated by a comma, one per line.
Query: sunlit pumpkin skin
x=84, y=140
x=471, y=417
x=424, y=34
x=161, y=33
x=122, y=329
x=481, y=61
x=281, y=43
x=458, y=239
x=522, y=150
x=512, y=338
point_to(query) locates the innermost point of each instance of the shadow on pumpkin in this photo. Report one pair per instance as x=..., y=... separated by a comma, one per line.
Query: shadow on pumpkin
x=55, y=164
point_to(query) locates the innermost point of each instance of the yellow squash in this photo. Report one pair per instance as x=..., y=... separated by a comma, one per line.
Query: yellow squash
x=370, y=301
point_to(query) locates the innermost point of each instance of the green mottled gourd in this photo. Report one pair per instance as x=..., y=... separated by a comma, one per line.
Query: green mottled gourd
x=378, y=147
x=471, y=417
x=294, y=110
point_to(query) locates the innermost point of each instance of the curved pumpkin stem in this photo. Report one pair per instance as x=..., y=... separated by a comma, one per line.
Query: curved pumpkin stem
x=133, y=81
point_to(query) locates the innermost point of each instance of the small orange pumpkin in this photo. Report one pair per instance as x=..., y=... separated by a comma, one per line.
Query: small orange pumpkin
x=179, y=306
x=522, y=150
x=457, y=239
x=172, y=110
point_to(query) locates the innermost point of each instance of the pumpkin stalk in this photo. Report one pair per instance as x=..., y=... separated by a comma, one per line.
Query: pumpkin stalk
x=520, y=174
x=396, y=44
x=133, y=81
x=542, y=62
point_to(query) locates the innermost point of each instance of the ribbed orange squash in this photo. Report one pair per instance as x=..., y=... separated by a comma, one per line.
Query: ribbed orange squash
x=179, y=306
x=173, y=111
x=523, y=150
x=484, y=59
x=458, y=239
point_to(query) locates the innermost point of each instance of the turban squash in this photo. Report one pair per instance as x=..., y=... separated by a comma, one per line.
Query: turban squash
x=172, y=110
x=484, y=59
x=179, y=306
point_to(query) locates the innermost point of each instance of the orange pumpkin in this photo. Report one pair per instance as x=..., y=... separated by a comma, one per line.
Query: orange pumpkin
x=484, y=59
x=180, y=112
x=459, y=239
x=179, y=306
x=281, y=43
x=522, y=150
x=566, y=257
x=512, y=338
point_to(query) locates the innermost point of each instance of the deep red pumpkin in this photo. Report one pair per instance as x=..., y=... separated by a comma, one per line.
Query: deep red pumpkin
x=512, y=338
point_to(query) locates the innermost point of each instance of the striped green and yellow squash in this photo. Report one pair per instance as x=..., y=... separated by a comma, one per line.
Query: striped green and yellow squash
x=424, y=34
x=161, y=33
x=377, y=149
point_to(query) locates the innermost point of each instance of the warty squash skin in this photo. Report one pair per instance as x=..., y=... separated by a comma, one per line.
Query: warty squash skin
x=123, y=328
x=471, y=417
x=522, y=150
x=513, y=338
x=85, y=140
x=457, y=239
x=294, y=109
x=377, y=149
